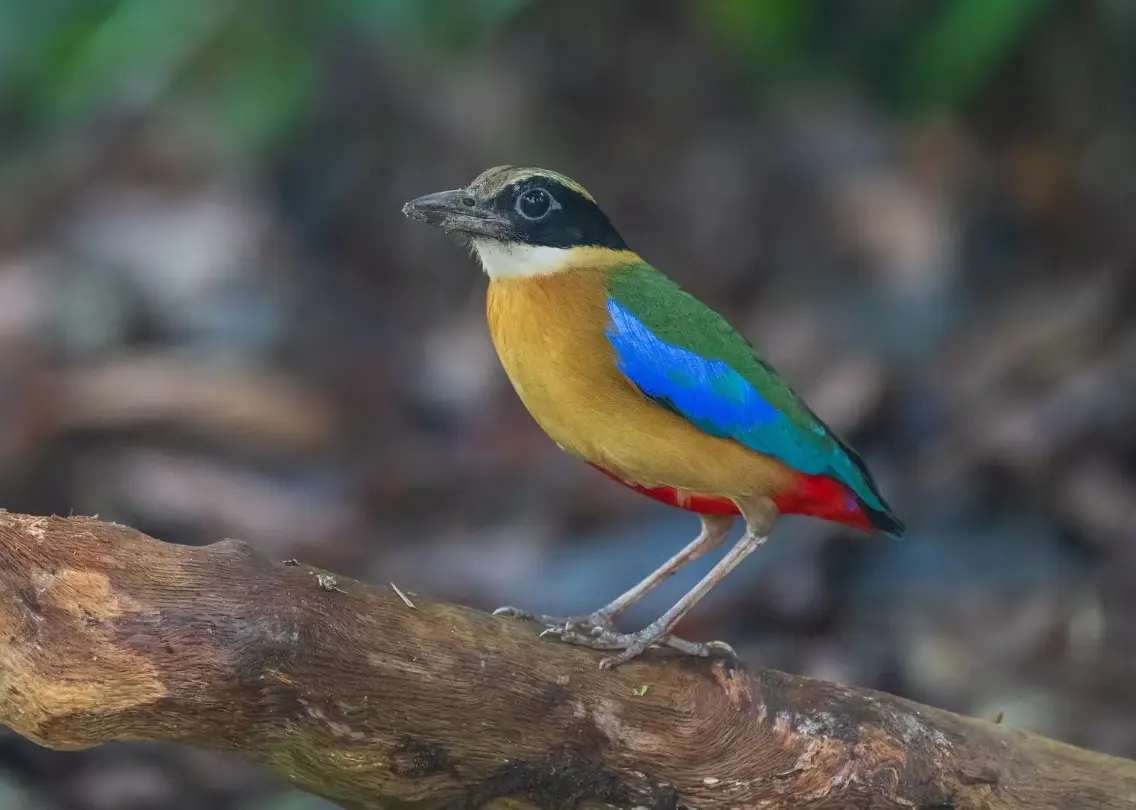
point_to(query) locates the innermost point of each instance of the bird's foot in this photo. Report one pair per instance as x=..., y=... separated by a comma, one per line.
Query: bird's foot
x=631, y=645
x=591, y=625
x=597, y=630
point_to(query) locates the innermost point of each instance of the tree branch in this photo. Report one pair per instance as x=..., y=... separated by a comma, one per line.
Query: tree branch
x=347, y=691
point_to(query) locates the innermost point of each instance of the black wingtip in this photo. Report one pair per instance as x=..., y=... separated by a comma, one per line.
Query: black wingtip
x=882, y=519
x=885, y=520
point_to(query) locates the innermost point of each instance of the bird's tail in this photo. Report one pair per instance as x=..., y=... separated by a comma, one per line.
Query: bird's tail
x=884, y=519
x=850, y=468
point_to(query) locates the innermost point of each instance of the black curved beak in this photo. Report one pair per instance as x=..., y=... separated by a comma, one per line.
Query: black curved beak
x=457, y=211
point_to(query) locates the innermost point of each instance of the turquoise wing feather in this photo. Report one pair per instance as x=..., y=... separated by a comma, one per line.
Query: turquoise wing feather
x=687, y=357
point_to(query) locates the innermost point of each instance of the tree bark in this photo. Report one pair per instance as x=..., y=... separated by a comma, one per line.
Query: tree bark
x=347, y=691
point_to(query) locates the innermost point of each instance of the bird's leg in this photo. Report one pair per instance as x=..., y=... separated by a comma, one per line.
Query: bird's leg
x=714, y=531
x=760, y=515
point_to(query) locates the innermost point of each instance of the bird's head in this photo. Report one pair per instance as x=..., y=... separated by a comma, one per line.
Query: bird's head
x=520, y=221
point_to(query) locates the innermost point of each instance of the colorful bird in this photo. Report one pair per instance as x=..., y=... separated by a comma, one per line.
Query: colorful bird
x=623, y=368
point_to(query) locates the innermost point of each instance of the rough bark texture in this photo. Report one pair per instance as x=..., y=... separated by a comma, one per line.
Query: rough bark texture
x=347, y=691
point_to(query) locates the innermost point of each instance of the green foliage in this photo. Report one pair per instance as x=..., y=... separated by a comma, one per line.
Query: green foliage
x=957, y=53
x=253, y=65
x=916, y=57
x=252, y=68
x=455, y=26
x=769, y=35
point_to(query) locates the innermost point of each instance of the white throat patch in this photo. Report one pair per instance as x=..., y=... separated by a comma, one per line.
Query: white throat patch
x=516, y=260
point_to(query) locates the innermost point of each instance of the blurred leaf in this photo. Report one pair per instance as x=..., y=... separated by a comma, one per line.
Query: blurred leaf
x=767, y=34
x=35, y=35
x=264, y=78
x=134, y=52
x=444, y=23
x=253, y=66
x=955, y=56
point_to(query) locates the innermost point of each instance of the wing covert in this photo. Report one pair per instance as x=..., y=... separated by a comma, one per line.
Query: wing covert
x=711, y=394
x=707, y=373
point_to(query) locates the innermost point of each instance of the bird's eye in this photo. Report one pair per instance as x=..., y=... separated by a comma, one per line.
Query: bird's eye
x=534, y=203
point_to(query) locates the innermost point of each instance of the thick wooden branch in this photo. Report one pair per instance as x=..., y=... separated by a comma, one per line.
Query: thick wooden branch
x=347, y=691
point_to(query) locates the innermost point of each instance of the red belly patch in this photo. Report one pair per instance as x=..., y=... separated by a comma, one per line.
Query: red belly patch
x=813, y=495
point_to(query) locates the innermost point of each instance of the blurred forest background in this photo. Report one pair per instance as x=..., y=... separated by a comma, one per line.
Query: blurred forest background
x=214, y=320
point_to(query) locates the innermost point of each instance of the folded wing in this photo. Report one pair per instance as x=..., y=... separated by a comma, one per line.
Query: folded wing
x=686, y=357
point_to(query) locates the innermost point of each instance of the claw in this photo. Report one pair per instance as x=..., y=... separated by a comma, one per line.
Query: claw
x=613, y=661
x=642, y=641
x=719, y=649
x=592, y=624
x=597, y=631
x=602, y=640
x=517, y=613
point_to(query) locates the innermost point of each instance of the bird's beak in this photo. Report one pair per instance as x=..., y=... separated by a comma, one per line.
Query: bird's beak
x=457, y=211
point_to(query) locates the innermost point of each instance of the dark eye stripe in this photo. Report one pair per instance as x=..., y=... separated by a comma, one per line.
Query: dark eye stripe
x=573, y=221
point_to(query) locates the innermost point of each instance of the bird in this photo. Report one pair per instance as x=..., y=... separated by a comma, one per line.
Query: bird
x=626, y=370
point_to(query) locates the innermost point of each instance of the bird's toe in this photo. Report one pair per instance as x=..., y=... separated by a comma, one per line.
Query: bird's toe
x=719, y=649
x=595, y=637
x=529, y=616
x=637, y=647
x=597, y=631
x=591, y=625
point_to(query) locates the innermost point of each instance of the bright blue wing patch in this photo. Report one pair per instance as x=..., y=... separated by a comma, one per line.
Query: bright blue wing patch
x=718, y=400
x=707, y=392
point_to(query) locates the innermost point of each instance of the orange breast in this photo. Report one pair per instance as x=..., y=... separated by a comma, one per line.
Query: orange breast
x=549, y=334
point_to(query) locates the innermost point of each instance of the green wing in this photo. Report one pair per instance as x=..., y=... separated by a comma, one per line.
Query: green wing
x=688, y=358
